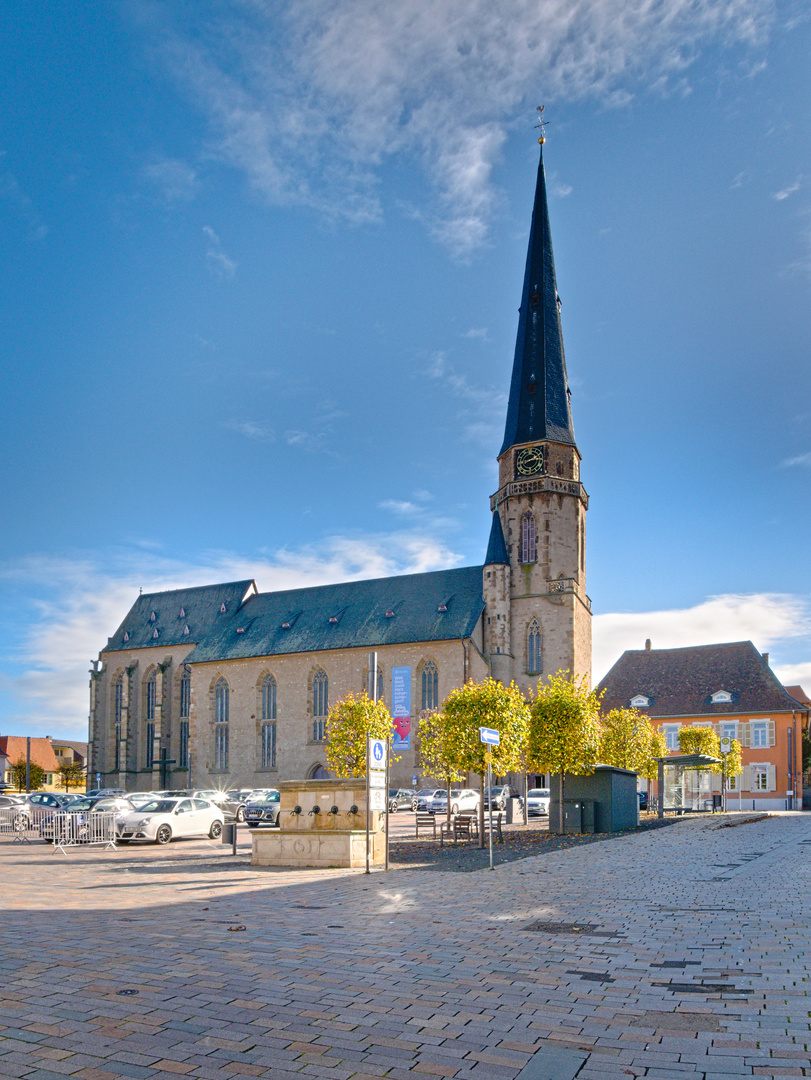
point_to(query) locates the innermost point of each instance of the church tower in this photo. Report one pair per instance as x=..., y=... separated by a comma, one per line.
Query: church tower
x=538, y=617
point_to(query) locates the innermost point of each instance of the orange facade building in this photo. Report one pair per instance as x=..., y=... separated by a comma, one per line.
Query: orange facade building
x=731, y=688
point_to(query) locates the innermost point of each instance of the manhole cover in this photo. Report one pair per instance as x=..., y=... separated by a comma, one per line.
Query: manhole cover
x=126, y=993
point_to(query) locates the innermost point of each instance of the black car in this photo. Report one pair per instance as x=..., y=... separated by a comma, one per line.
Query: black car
x=643, y=800
x=264, y=812
x=401, y=799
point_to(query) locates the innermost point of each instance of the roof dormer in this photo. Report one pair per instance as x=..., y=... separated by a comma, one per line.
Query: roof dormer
x=640, y=702
x=721, y=697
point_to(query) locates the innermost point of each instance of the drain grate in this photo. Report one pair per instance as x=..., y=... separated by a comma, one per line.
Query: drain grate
x=126, y=993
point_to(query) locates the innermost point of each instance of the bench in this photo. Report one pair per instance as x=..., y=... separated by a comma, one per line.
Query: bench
x=428, y=823
x=464, y=826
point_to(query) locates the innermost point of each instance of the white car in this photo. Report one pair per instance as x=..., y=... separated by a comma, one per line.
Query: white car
x=461, y=799
x=537, y=801
x=163, y=819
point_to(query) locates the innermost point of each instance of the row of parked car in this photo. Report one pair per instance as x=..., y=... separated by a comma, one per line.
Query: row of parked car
x=147, y=815
x=435, y=800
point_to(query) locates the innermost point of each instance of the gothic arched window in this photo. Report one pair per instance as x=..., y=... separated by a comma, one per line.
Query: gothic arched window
x=151, y=698
x=534, y=650
x=221, y=715
x=268, y=698
x=528, y=538
x=320, y=704
x=119, y=714
x=430, y=685
x=267, y=756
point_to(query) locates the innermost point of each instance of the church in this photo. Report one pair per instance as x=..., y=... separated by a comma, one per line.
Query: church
x=225, y=686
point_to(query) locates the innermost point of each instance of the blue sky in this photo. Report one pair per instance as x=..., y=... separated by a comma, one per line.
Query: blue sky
x=262, y=263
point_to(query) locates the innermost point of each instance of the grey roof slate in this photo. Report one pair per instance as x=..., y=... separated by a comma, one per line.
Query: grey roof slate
x=681, y=682
x=497, y=546
x=352, y=614
x=199, y=609
x=538, y=406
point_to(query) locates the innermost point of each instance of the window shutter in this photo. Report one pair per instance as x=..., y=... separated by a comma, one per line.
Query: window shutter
x=771, y=779
x=744, y=736
x=772, y=733
x=745, y=779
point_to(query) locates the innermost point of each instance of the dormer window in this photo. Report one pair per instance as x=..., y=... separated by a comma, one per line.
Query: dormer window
x=182, y=613
x=442, y=607
x=155, y=632
x=240, y=629
x=222, y=608
x=721, y=697
x=126, y=636
x=333, y=619
x=186, y=630
x=152, y=617
x=285, y=625
x=389, y=614
x=640, y=702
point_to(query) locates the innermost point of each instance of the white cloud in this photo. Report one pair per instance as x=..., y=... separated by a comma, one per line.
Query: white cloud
x=251, y=429
x=176, y=181
x=309, y=99
x=407, y=509
x=562, y=190
x=794, y=675
x=785, y=192
x=764, y=618
x=801, y=459
x=223, y=265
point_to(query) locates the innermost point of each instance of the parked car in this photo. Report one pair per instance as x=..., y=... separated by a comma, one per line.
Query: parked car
x=103, y=791
x=423, y=801
x=264, y=811
x=401, y=799
x=11, y=800
x=461, y=799
x=499, y=796
x=138, y=798
x=163, y=819
x=643, y=800
x=234, y=802
x=537, y=801
x=83, y=807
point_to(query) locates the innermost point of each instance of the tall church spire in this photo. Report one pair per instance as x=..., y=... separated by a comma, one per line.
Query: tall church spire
x=539, y=406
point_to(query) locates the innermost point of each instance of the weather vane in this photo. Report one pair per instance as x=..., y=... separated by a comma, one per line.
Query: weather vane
x=541, y=124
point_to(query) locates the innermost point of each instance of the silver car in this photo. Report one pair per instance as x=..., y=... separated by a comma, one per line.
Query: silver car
x=537, y=801
x=461, y=799
x=264, y=811
x=423, y=801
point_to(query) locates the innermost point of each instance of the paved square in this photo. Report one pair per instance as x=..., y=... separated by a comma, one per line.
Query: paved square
x=677, y=953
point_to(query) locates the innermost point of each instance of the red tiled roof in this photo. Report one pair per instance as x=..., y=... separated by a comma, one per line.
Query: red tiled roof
x=13, y=746
x=681, y=682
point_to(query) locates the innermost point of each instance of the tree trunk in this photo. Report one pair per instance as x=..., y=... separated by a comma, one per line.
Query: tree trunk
x=561, y=823
x=448, y=808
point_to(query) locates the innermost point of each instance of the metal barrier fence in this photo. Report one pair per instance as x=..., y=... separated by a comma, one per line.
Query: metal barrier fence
x=22, y=822
x=64, y=829
x=69, y=830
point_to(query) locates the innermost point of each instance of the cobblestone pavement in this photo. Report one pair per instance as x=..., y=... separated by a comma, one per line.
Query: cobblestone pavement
x=677, y=953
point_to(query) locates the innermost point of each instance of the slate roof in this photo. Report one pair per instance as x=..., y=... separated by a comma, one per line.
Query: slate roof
x=171, y=613
x=800, y=695
x=438, y=606
x=539, y=405
x=681, y=682
x=496, y=547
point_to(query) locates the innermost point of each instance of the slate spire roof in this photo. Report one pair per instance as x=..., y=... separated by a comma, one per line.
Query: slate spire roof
x=539, y=405
x=496, y=547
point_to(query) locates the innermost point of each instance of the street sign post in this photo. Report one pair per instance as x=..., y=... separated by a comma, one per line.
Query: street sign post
x=490, y=737
x=377, y=783
x=726, y=748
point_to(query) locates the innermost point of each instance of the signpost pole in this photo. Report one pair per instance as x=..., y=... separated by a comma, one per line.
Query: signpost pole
x=388, y=753
x=368, y=802
x=490, y=801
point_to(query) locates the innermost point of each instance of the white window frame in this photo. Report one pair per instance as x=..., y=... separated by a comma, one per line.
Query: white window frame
x=671, y=735
x=640, y=702
x=755, y=728
x=760, y=771
x=721, y=697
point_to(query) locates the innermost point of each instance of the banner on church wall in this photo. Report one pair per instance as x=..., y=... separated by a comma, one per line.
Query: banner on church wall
x=401, y=707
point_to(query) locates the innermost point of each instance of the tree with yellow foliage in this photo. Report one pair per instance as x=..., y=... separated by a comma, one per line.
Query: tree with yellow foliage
x=564, y=729
x=349, y=722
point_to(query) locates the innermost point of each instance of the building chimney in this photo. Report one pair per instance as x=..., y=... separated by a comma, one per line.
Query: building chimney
x=765, y=658
x=647, y=644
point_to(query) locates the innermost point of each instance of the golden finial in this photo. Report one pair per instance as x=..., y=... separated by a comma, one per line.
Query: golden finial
x=541, y=123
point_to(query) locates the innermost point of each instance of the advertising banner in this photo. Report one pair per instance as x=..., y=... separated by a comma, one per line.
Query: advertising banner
x=401, y=708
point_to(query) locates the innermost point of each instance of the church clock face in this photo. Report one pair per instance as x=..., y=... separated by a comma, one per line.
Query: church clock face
x=529, y=461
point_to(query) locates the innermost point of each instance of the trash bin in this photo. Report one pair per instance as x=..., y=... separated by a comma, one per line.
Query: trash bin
x=229, y=833
x=717, y=800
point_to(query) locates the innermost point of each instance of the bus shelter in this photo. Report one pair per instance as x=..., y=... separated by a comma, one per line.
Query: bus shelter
x=685, y=782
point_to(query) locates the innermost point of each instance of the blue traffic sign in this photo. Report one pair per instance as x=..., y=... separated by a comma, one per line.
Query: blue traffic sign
x=377, y=753
x=489, y=735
